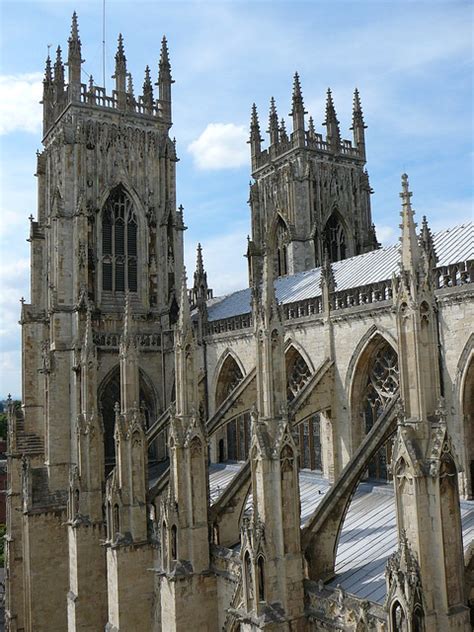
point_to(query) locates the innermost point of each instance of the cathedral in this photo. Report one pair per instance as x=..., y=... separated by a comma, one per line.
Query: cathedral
x=296, y=456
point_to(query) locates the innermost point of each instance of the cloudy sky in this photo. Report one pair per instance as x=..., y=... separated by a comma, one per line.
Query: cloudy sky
x=411, y=60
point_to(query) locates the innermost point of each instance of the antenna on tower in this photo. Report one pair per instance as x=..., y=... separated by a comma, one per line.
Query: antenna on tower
x=103, y=43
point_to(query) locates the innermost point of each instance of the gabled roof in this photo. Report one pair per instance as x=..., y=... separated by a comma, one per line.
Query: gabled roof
x=453, y=245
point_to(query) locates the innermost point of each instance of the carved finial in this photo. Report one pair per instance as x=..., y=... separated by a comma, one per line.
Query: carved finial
x=184, y=310
x=200, y=277
x=332, y=124
x=88, y=335
x=297, y=94
x=120, y=54
x=311, y=128
x=165, y=66
x=74, y=29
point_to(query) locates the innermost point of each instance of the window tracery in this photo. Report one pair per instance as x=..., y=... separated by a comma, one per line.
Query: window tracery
x=119, y=243
x=382, y=383
x=335, y=239
x=298, y=375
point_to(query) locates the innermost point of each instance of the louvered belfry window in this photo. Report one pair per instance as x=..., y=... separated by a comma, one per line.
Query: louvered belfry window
x=119, y=244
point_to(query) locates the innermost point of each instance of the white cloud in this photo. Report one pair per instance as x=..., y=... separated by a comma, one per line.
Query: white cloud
x=19, y=103
x=221, y=146
x=386, y=234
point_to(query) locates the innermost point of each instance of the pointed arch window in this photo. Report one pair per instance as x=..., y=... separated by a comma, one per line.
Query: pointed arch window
x=119, y=243
x=335, y=239
x=382, y=383
x=281, y=263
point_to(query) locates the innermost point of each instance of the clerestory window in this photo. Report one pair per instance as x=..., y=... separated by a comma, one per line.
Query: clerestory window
x=119, y=243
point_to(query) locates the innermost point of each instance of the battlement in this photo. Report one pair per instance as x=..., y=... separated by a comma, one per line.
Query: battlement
x=58, y=95
x=281, y=143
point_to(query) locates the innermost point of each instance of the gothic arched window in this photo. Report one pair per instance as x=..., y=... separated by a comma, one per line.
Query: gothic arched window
x=281, y=262
x=335, y=239
x=298, y=373
x=382, y=382
x=119, y=243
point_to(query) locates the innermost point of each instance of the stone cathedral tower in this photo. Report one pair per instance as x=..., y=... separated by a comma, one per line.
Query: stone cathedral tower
x=310, y=193
x=107, y=227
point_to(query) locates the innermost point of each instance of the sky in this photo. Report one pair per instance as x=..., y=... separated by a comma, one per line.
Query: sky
x=411, y=60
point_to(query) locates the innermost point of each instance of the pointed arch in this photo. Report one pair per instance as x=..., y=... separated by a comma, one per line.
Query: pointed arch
x=108, y=395
x=228, y=373
x=335, y=237
x=278, y=240
x=122, y=247
x=375, y=381
x=298, y=369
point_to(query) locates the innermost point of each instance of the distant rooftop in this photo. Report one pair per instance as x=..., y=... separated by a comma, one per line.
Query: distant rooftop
x=453, y=245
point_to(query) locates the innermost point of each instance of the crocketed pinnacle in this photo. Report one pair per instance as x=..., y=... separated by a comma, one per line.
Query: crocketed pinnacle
x=283, y=133
x=273, y=122
x=426, y=241
x=357, y=114
x=410, y=249
x=297, y=94
x=255, y=126
x=147, y=88
x=311, y=128
x=120, y=54
x=330, y=109
x=48, y=75
x=58, y=67
x=74, y=40
x=164, y=55
x=130, y=84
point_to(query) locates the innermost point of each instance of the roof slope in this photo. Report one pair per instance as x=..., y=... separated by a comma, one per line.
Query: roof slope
x=452, y=246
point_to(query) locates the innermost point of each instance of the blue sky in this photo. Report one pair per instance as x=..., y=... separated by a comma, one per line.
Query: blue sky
x=411, y=60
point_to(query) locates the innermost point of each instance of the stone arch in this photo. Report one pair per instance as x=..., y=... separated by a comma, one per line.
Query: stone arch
x=335, y=237
x=108, y=395
x=464, y=390
x=298, y=372
x=228, y=359
x=229, y=373
x=375, y=381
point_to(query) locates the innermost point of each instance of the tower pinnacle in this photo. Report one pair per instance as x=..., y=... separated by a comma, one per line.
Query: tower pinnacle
x=273, y=123
x=120, y=75
x=74, y=61
x=298, y=112
x=358, y=125
x=148, y=91
x=164, y=81
x=333, y=136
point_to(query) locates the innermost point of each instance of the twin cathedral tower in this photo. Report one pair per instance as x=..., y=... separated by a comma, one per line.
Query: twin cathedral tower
x=110, y=346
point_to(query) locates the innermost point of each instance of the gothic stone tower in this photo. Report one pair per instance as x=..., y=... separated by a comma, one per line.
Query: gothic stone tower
x=309, y=194
x=107, y=225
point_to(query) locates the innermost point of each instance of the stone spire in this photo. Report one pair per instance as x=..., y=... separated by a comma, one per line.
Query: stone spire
x=148, y=92
x=120, y=75
x=273, y=123
x=358, y=125
x=164, y=81
x=74, y=61
x=410, y=254
x=311, y=128
x=333, y=135
x=298, y=112
x=255, y=140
